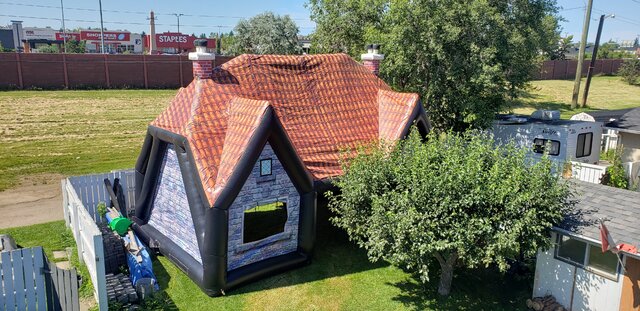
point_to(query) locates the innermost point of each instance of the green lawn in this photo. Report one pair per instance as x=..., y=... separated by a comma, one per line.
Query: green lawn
x=341, y=278
x=73, y=132
x=606, y=93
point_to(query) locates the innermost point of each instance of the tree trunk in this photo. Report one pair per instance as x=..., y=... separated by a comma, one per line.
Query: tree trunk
x=446, y=272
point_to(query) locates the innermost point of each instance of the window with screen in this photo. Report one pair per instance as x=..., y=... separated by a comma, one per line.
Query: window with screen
x=541, y=144
x=583, y=147
x=588, y=256
x=263, y=221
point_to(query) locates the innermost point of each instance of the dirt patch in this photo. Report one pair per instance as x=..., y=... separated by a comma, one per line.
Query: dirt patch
x=38, y=199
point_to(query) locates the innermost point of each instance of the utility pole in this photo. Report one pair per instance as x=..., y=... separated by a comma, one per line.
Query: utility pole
x=178, y=17
x=64, y=29
x=593, y=60
x=101, y=29
x=583, y=44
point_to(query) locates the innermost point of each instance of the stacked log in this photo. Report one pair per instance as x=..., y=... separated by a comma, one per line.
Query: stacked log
x=546, y=303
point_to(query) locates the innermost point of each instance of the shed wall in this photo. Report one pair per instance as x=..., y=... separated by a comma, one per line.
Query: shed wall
x=257, y=190
x=591, y=291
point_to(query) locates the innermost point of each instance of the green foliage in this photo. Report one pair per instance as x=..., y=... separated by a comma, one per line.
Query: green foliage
x=630, y=71
x=458, y=198
x=102, y=209
x=615, y=176
x=226, y=42
x=3, y=49
x=610, y=50
x=465, y=58
x=560, y=51
x=266, y=33
x=49, y=49
x=73, y=46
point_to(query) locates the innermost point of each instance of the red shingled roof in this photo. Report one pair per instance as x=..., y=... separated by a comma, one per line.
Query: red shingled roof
x=325, y=103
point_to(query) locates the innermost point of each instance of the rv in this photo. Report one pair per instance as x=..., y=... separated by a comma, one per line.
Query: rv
x=566, y=140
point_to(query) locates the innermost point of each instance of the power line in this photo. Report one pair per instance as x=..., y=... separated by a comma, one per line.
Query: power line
x=124, y=23
x=133, y=12
x=571, y=9
x=620, y=17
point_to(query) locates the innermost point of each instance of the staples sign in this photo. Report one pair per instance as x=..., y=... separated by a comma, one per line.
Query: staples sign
x=108, y=36
x=174, y=40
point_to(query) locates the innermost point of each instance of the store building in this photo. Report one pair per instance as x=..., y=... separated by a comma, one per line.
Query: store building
x=115, y=42
x=176, y=43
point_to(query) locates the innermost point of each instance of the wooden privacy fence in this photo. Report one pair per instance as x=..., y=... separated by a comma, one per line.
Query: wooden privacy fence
x=566, y=69
x=80, y=196
x=28, y=282
x=63, y=288
x=71, y=71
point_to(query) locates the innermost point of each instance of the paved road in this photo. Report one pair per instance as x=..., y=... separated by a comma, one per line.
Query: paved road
x=30, y=204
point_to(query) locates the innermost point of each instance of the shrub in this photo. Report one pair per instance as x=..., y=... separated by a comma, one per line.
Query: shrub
x=615, y=176
x=457, y=199
x=630, y=71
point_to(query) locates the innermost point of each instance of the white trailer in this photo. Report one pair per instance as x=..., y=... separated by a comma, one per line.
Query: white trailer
x=567, y=140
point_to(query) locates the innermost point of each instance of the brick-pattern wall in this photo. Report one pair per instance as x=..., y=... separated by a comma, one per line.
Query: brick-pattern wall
x=170, y=213
x=39, y=70
x=258, y=190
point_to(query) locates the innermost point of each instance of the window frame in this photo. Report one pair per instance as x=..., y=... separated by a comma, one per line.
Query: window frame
x=272, y=238
x=544, y=144
x=585, y=265
x=584, y=154
x=270, y=167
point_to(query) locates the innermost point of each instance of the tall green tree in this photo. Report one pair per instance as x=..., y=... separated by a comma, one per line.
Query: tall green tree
x=266, y=33
x=457, y=199
x=466, y=59
x=73, y=46
x=611, y=50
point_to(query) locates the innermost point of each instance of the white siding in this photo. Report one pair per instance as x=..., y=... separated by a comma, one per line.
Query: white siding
x=591, y=291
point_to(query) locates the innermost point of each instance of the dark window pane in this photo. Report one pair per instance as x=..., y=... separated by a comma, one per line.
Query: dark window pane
x=572, y=249
x=605, y=262
x=264, y=221
x=583, y=146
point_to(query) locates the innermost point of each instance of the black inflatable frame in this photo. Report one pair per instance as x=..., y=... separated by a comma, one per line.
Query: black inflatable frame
x=211, y=222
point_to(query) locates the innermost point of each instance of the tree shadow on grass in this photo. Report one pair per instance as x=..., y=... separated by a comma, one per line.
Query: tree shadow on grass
x=528, y=99
x=334, y=255
x=472, y=289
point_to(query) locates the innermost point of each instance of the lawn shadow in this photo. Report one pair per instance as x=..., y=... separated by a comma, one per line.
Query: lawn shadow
x=472, y=289
x=527, y=99
x=334, y=255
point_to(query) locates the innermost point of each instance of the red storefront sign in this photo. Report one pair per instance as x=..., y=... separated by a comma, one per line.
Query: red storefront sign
x=108, y=35
x=176, y=40
x=71, y=36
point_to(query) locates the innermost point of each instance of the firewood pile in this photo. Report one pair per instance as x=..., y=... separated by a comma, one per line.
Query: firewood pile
x=546, y=303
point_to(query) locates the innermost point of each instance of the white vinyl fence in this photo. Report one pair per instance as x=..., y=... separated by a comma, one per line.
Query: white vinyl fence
x=588, y=172
x=81, y=195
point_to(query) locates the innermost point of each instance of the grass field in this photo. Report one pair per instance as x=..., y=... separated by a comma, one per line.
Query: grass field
x=73, y=132
x=606, y=93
